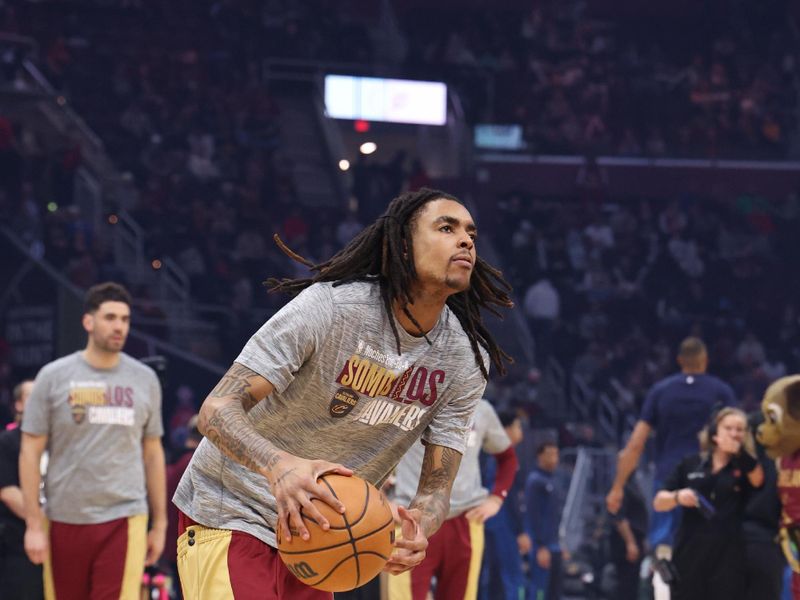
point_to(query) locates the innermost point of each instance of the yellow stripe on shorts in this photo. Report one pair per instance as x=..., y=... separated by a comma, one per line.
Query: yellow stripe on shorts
x=134, y=558
x=209, y=550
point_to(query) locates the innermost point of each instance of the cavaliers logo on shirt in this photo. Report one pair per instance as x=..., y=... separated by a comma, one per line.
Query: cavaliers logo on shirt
x=100, y=403
x=394, y=391
x=343, y=401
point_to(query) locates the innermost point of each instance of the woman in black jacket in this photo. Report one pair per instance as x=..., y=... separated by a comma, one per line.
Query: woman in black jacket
x=712, y=487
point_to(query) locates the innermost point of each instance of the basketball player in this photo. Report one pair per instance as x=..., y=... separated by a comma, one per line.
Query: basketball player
x=455, y=551
x=98, y=413
x=384, y=344
x=676, y=408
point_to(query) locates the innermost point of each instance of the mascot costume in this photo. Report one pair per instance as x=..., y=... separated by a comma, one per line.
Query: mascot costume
x=780, y=436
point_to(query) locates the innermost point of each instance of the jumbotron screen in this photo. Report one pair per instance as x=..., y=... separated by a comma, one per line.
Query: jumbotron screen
x=389, y=100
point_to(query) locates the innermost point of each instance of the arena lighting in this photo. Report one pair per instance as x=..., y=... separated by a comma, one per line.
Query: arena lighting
x=368, y=147
x=113, y=219
x=344, y=164
x=156, y=264
x=52, y=206
x=361, y=126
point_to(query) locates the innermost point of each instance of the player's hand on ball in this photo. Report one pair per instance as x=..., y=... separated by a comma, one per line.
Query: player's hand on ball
x=293, y=481
x=410, y=548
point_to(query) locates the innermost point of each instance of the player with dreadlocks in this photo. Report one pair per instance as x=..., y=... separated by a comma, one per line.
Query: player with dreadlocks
x=384, y=344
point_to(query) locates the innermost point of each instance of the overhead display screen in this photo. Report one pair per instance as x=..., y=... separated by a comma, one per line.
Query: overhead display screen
x=388, y=100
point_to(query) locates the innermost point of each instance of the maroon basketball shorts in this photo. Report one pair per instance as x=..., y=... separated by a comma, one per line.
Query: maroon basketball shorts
x=96, y=562
x=223, y=565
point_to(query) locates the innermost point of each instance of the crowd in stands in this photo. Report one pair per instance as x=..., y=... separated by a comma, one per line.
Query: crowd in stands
x=722, y=82
x=608, y=285
x=175, y=93
x=177, y=96
x=609, y=288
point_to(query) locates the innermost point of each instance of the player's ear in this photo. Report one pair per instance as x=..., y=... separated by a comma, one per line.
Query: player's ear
x=88, y=321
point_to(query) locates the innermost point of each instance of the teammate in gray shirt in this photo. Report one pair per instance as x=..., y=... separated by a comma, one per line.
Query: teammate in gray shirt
x=383, y=345
x=98, y=413
x=455, y=552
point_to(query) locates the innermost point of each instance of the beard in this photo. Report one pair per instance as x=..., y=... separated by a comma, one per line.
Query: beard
x=109, y=345
x=458, y=283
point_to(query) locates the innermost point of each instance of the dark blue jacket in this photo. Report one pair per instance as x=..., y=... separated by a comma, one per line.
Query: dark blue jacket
x=543, y=509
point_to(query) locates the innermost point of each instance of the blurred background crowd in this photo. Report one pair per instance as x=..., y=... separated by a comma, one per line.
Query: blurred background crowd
x=163, y=145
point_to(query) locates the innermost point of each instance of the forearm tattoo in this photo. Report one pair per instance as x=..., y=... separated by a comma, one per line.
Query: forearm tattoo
x=236, y=384
x=228, y=427
x=439, y=468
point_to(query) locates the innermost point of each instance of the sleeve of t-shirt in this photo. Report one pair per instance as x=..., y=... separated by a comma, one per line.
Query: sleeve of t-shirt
x=154, y=426
x=495, y=438
x=452, y=424
x=36, y=416
x=290, y=337
x=649, y=409
x=677, y=479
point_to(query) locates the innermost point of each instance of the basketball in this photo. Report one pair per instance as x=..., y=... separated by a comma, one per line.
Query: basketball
x=354, y=549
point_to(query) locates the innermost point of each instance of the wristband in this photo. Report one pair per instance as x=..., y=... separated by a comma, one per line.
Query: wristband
x=677, y=501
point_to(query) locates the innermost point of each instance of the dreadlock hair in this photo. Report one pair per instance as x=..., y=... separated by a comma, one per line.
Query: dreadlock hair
x=383, y=252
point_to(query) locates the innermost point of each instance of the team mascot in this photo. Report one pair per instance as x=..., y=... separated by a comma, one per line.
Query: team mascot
x=780, y=436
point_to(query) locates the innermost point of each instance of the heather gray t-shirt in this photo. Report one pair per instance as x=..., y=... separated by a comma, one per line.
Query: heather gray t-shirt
x=343, y=394
x=487, y=434
x=95, y=420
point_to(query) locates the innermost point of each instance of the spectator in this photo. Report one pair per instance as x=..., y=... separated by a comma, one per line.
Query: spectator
x=22, y=580
x=542, y=517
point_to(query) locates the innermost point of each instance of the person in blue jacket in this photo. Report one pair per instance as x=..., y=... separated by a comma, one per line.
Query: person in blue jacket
x=502, y=576
x=542, y=517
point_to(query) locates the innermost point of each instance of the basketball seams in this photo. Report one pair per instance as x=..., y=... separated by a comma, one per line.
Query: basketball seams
x=373, y=542
x=339, y=544
x=349, y=532
x=366, y=505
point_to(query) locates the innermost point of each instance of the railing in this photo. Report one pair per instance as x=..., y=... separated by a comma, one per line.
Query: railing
x=571, y=528
x=100, y=186
x=154, y=345
x=608, y=417
x=552, y=389
x=581, y=399
x=591, y=478
x=128, y=243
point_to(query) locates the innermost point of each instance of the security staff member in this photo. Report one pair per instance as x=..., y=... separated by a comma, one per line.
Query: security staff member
x=711, y=487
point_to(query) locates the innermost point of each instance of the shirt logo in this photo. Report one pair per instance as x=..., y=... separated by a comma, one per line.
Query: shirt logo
x=100, y=403
x=343, y=401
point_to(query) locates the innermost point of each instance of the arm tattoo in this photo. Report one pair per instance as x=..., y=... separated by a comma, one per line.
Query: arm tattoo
x=236, y=384
x=439, y=468
x=228, y=427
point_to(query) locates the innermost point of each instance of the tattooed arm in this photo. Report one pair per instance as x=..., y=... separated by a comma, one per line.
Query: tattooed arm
x=427, y=510
x=439, y=468
x=292, y=480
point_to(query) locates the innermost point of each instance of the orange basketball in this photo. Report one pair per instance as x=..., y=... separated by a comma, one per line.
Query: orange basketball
x=354, y=549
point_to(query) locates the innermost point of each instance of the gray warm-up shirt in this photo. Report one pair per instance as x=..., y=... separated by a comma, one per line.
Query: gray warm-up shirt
x=468, y=492
x=343, y=394
x=95, y=420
